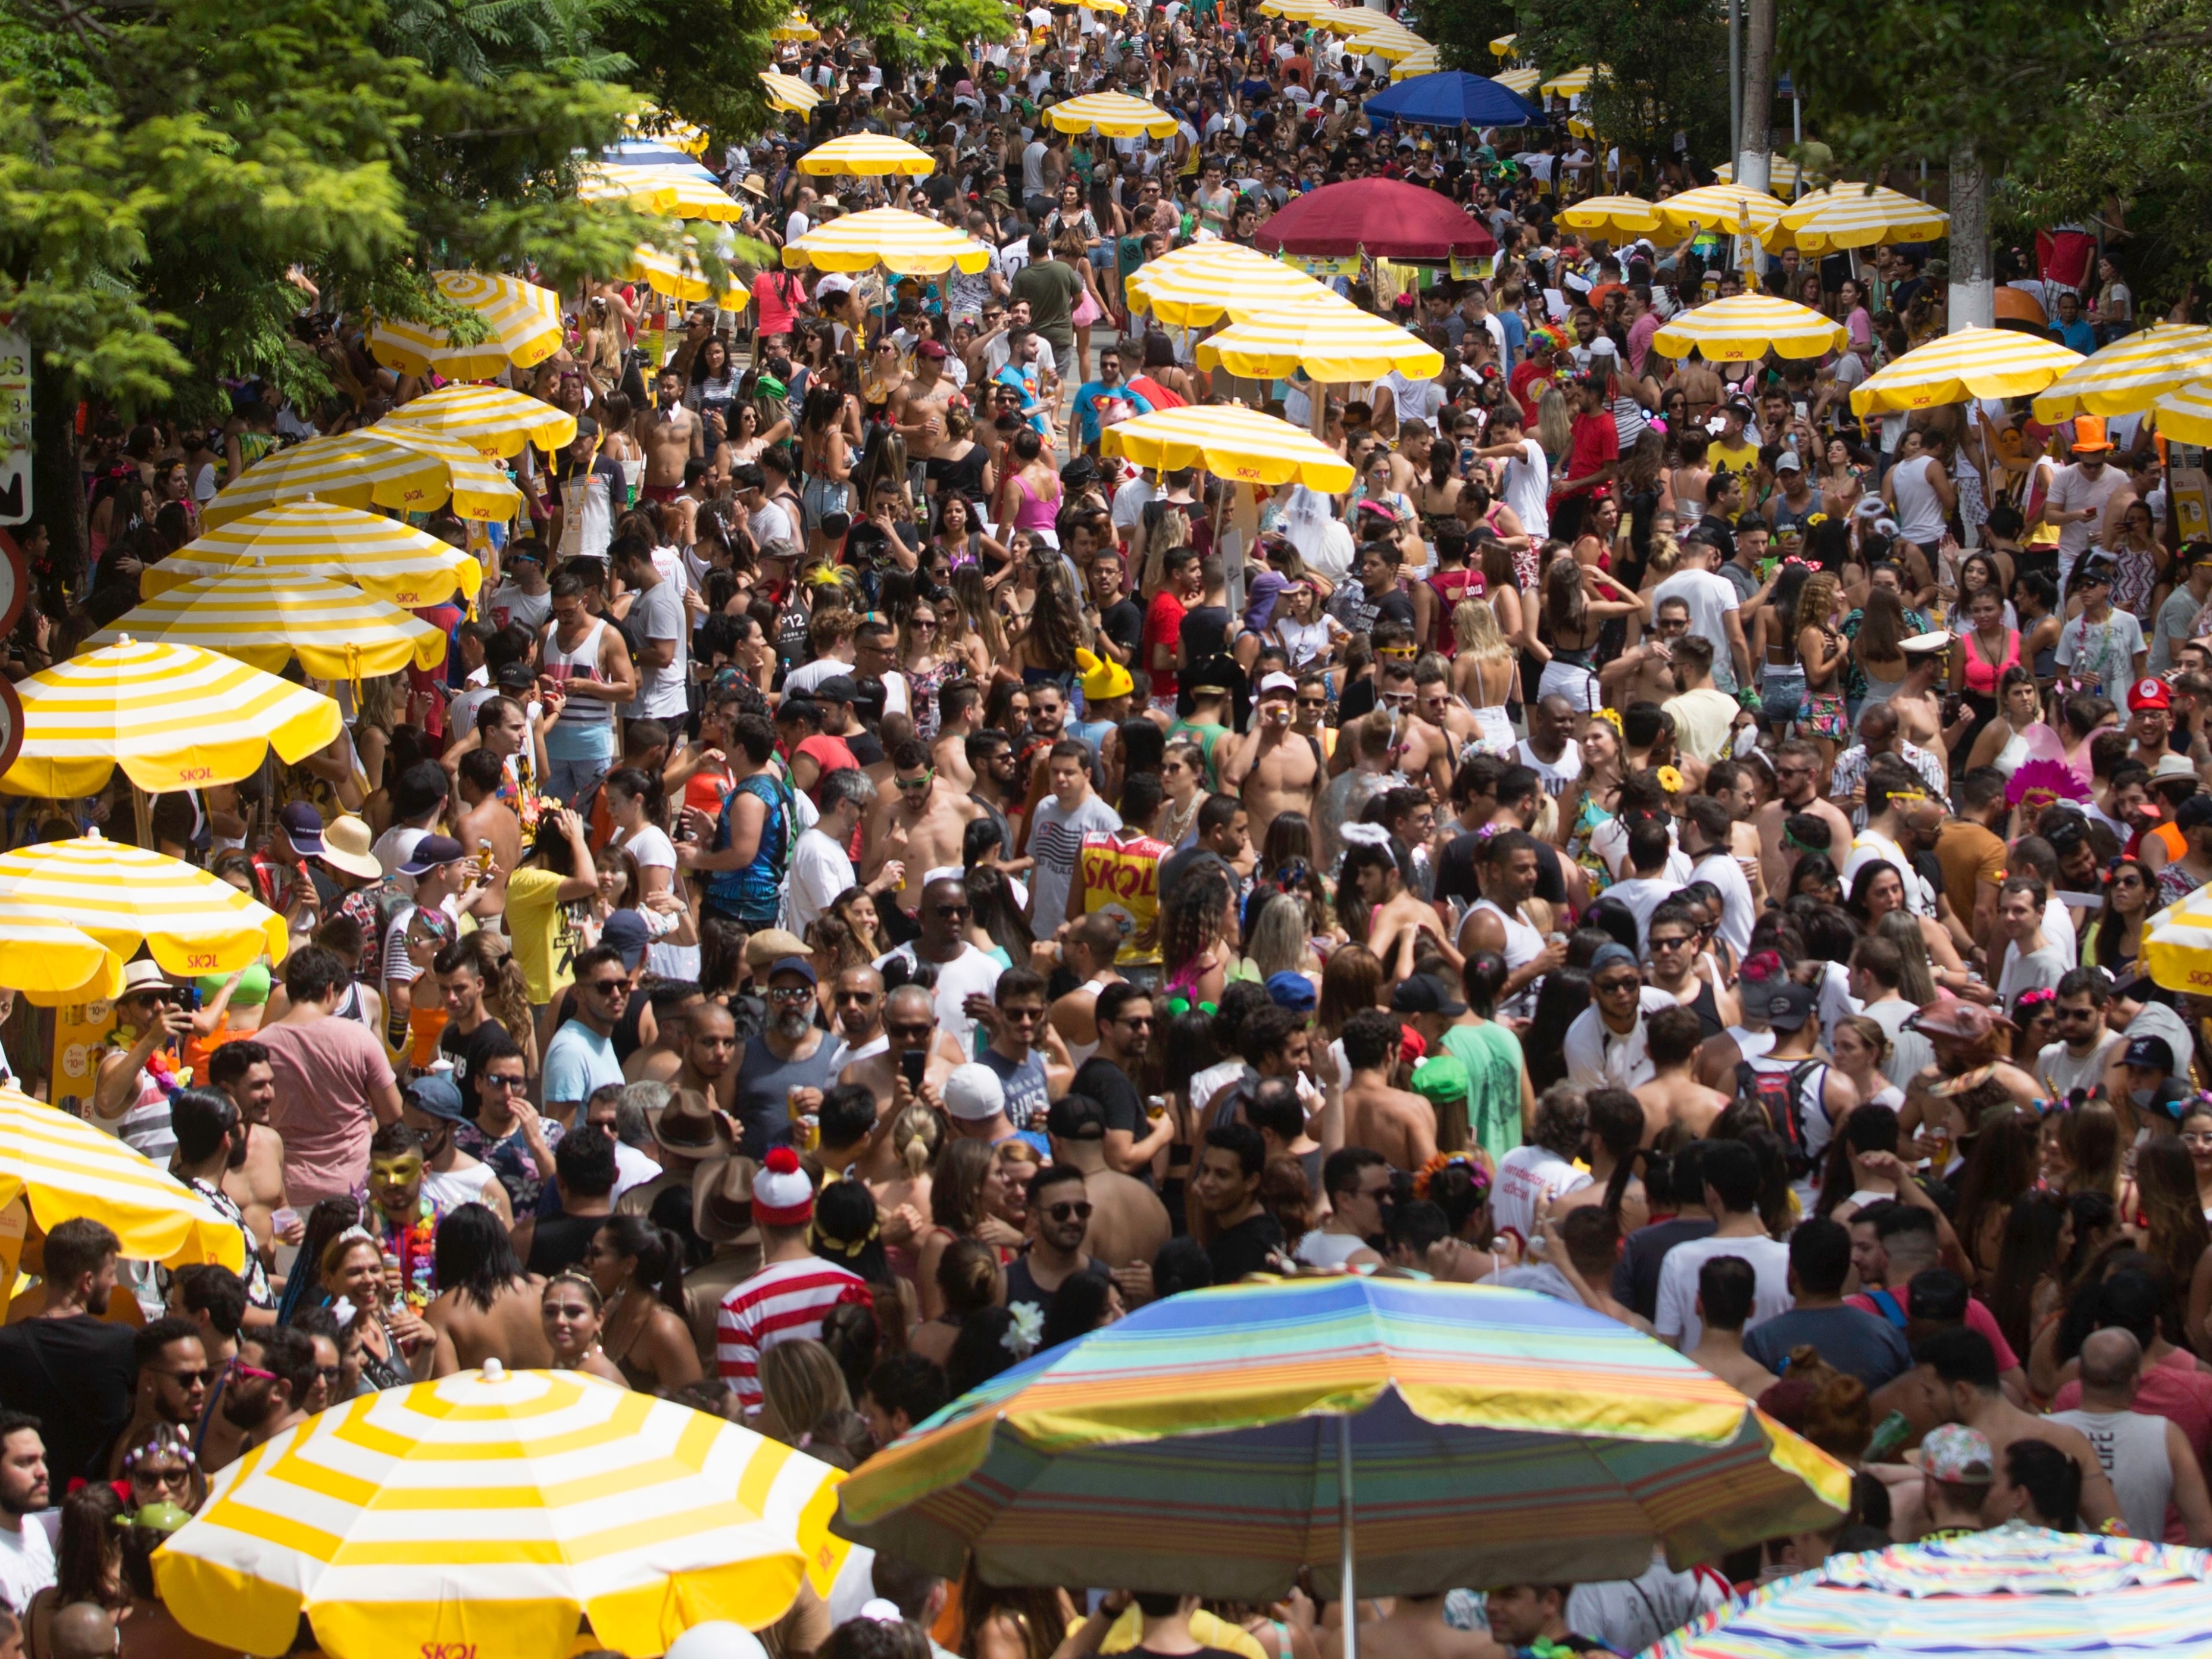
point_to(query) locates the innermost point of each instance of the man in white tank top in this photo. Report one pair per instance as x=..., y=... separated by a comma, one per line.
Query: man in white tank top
x=2148, y=1458
x=1920, y=495
x=1505, y=869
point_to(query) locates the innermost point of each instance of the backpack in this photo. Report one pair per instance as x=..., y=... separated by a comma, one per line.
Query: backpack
x=1781, y=1096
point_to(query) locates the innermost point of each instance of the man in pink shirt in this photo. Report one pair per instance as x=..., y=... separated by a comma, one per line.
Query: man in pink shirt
x=334, y=1087
x=1892, y=1244
x=2171, y=1386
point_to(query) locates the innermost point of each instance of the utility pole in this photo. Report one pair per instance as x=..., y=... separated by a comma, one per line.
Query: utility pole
x=1736, y=84
x=1755, y=98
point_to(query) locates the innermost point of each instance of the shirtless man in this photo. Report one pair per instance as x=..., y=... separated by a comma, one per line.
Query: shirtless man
x=1087, y=950
x=486, y=817
x=1415, y=1629
x=1918, y=701
x=1399, y=1126
x=921, y=823
x=1505, y=869
x=1965, y=1375
x=489, y=1308
x=709, y=1050
x=909, y=1022
x=959, y=717
x=1275, y=769
x=1432, y=696
x=1797, y=789
x=1700, y=386
x=1128, y=1223
x=1671, y=1037
x=669, y=435
x=1420, y=751
x=919, y=407
x=1645, y=672
x=241, y=1069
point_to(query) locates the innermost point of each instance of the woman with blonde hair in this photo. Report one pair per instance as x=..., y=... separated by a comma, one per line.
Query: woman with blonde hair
x=1484, y=671
x=1555, y=428
x=970, y=625
x=1821, y=720
x=917, y=1135
x=806, y=1404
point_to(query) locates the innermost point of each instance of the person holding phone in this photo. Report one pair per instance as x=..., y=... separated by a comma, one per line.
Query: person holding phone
x=128, y=1100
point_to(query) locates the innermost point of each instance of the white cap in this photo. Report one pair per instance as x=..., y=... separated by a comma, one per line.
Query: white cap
x=717, y=1639
x=1278, y=681
x=836, y=283
x=974, y=1093
x=1601, y=346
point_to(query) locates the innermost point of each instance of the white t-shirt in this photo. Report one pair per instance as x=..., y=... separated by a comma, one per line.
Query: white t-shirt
x=1528, y=1179
x=1710, y=597
x=1526, y=488
x=1677, y=1312
x=1737, y=910
x=26, y=1564
x=1559, y=776
x=393, y=846
x=970, y=973
x=1598, y=1059
x=650, y=847
x=1872, y=847
x=819, y=872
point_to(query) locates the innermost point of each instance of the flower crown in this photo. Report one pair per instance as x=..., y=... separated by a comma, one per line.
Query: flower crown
x=1610, y=716
x=1478, y=1173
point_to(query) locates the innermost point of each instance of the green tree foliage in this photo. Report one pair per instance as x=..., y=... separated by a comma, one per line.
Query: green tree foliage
x=1463, y=29
x=922, y=33
x=1668, y=70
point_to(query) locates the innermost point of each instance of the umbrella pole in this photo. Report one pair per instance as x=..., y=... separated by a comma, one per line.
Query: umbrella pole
x=1344, y=1537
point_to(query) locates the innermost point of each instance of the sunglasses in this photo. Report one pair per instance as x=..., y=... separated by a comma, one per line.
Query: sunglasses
x=608, y=987
x=1068, y=1211
x=952, y=912
x=919, y=783
x=793, y=994
x=1617, y=987
x=198, y=1379
x=160, y=1477
x=498, y=1082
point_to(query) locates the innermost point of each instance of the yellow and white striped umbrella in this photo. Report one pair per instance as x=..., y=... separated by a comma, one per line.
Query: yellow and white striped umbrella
x=1342, y=20
x=524, y=320
x=391, y=464
x=50, y=964
x=267, y=617
x=649, y=121
x=1502, y=45
x=686, y=192
x=866, y=154
x=1975, y=362
x=1617, y=218
x=1387, y=39
x=1522, y=80
x=2133, y=373
x=1300, y=11
x=1332, y=340
x=646, y=189
x=788, y=92
x=127, y=897
x=1732, y=208
x=1856, y=216
x=1748, y=326
x=1578, y=128
x=1111, y=115
x=1781, y=172
x=171, y=716
x=487, y=1513
x=1118, y=8
x=900, y=241
x=1229, y=442
x=680, y=277
x=795, y=27
x=386, y=558
x=62, y=1167
x=2186, y=414
x=1201, y=282
x=1421, y=63
x=1573, y=84
x=490, y=419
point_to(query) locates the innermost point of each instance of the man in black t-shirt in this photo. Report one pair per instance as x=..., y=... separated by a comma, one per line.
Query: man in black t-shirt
x=1124, y=1014
x=1226, y=1185
x=1060, y=1201
x=67, y=1365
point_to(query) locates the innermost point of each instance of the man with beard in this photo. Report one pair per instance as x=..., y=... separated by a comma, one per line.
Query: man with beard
x=241, y=1069
x=265, y=1393
x=68, y=1364
x=786, y=1066
x=27, y=1554
x=431, y=1107
x=920, y=825
x=172, y=1384
x=211, y=1142
x=706, y=1050
x=910, y=1023
x=963, y=970
x=1798, y=791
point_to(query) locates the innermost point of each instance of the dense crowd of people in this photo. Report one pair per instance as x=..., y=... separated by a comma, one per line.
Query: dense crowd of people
x=882, y=887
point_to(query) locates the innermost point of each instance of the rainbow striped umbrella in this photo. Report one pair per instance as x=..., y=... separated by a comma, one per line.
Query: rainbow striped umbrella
x=486, y=1514
x=1217, y=1441
x=2016, y=1593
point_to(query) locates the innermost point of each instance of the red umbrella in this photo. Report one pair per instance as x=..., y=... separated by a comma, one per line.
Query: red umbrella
x=1380, y=217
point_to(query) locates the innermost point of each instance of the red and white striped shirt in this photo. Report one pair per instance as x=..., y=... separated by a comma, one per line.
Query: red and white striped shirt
x=781, y=1301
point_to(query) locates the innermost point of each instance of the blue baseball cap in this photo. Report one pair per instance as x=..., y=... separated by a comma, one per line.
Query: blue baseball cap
x=1292, y=991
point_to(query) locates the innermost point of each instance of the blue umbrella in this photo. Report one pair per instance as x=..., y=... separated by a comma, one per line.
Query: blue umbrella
x=1453, y=98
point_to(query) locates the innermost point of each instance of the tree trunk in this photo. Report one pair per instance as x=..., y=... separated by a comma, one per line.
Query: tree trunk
x=1755, y=121
x=56, y=489
x=1972, y=295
